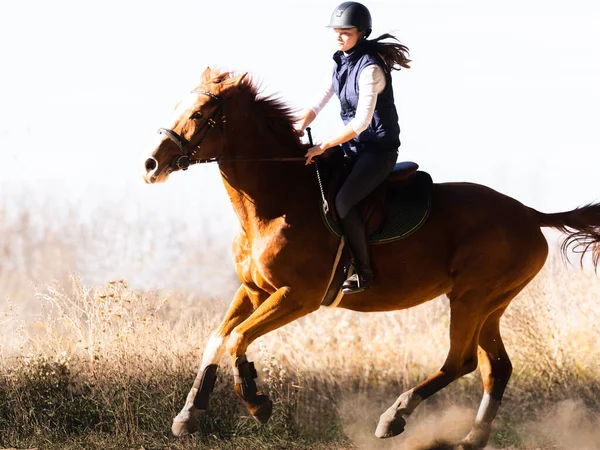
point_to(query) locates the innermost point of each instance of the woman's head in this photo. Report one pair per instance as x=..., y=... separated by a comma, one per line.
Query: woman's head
x=351, y=22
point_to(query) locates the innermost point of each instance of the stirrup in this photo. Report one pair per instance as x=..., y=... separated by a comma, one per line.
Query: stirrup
x=357, y=283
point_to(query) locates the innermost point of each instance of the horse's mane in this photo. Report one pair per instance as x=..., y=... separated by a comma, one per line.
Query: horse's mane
x=279, y=116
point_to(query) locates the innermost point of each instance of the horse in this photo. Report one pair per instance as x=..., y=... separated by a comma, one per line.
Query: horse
x=478, y=247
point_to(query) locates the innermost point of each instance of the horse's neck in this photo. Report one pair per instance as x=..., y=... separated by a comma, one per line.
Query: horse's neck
x=266, y=190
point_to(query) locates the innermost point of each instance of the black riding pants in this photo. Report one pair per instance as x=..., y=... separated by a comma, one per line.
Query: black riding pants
x=368, y=172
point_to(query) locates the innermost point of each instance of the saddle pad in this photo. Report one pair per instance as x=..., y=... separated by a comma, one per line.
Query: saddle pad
x=407, y=209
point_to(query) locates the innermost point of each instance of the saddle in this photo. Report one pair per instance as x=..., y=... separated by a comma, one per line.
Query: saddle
x=373, y=208
x=395, y=209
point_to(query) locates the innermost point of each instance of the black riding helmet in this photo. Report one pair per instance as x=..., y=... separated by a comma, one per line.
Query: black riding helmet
x=351, y=15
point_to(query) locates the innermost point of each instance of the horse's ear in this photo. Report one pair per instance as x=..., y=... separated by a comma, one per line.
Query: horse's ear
x=205, y=75
x=233, y=82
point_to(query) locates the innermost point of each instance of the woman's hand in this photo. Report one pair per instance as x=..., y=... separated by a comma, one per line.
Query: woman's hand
x=303, y=121
x=314, y=152
x=298, y=129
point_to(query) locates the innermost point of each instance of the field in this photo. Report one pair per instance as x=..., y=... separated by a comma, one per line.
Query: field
x=92, y=360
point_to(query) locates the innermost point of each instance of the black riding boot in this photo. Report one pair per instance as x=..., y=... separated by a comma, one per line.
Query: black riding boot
x=354, y=230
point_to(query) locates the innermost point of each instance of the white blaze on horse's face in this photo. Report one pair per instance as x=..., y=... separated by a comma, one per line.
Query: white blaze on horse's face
x=158, y=166
x=184, y=109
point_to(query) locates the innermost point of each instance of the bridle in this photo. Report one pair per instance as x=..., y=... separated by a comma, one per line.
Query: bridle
x=189, y=149
x=183, y=161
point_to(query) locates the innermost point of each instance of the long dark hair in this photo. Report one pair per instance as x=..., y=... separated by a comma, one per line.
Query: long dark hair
x=394, y=55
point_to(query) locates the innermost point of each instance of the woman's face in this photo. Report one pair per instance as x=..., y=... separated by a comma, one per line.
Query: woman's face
x=347, y=38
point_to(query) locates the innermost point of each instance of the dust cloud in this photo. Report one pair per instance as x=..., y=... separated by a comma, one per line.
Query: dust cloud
x=567, y=425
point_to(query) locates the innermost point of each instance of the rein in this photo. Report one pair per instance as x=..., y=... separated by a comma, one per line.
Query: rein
x=186, y=159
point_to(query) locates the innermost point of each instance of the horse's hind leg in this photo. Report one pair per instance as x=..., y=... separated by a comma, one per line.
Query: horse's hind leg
x=465, y=324
x=496, y=369
x=186, y=421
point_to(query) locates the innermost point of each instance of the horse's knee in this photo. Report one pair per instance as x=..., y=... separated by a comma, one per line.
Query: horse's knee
x=213, y=351
x=236, y=344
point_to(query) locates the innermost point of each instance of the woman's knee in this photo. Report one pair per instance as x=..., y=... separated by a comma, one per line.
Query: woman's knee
x=342, y=205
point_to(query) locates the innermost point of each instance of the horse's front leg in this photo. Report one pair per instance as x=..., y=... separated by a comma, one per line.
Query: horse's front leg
x=186, y=421
x=282, y=307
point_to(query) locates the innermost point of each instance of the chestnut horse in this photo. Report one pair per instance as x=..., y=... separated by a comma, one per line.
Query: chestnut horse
x=479, y=247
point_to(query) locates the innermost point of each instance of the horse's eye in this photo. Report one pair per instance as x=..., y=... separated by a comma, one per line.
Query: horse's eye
x=197, y=115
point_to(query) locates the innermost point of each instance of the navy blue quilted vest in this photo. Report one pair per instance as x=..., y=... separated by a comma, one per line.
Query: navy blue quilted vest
x=383, y=133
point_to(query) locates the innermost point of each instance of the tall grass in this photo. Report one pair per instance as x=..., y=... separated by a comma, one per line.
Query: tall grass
x=107, y=364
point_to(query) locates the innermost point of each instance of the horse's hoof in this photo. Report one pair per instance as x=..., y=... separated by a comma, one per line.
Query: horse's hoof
x=477, y=438
x=182, y=429
x=263, y=410
x=175, y=433
x=184, y=426
x=389, y=426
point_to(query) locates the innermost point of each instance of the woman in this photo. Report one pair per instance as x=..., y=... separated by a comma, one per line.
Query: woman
x=362, y=81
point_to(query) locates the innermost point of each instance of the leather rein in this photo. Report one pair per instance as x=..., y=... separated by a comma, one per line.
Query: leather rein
x=189, y=150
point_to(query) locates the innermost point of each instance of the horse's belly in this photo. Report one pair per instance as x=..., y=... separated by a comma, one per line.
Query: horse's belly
x=390, y=295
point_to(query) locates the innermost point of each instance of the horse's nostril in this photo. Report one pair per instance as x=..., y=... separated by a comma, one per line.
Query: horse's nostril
x=150, y=164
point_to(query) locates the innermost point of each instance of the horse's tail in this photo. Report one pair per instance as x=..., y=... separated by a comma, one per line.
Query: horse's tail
x=582, y=226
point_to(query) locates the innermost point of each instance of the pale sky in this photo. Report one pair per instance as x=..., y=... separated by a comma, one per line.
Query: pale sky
x=505, y=94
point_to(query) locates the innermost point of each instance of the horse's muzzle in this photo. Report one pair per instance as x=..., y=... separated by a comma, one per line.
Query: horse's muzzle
x=151, y=166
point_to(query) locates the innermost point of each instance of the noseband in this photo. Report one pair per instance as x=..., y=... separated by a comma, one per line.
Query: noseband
x=188, y=150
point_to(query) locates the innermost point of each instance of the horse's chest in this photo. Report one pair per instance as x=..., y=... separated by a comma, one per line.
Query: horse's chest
x=257, y=256
x=266, y=250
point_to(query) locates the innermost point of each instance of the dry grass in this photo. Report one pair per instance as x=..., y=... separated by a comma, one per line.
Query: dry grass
x=107, y=365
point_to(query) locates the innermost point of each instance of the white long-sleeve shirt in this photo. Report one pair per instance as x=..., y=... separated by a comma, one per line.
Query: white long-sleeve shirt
x=371, y=83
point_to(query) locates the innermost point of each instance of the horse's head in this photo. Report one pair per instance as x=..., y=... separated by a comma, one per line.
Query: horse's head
x=196, y=132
